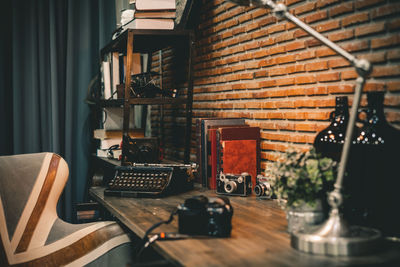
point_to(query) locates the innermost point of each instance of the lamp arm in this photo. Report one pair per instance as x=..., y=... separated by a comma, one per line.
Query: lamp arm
x=363, y=68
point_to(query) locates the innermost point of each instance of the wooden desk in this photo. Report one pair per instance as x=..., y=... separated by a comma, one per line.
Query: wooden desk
x=259, y=236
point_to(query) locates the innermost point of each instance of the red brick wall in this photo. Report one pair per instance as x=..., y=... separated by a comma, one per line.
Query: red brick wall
x=250, y=64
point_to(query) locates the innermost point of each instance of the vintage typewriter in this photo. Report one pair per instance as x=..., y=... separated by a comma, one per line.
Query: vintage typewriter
x=146, y=179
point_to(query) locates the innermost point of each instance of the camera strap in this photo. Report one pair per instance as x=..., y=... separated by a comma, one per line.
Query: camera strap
x=161, y=236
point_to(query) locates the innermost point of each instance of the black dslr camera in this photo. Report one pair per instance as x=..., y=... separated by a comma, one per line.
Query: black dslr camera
x=201, y=216
x=264, y=187
x=234, y=185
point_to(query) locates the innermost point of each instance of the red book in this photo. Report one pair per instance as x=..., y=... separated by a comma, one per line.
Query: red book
x=239, y=156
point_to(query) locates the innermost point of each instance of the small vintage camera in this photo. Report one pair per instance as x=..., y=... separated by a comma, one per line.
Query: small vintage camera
x=202, y=216
x=264, y=187
x=234, y=185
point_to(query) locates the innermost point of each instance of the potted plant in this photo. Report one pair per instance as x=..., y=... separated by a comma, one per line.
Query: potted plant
x=302, y=181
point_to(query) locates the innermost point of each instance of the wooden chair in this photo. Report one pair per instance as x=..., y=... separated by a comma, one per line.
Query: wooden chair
x=31, y=232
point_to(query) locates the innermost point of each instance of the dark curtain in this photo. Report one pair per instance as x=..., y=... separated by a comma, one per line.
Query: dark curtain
x=49, y=54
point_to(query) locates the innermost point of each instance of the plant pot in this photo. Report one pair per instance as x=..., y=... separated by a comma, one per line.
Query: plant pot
x=304, y=215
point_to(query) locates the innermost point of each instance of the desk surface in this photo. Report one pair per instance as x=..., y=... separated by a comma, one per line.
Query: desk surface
x=259, y=236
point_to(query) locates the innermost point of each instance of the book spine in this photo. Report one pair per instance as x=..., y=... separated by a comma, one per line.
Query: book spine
x=107, y=80
x=115, y=73
x=203, y=156
x=219, y=167
x=213, y=160
x=198, y=151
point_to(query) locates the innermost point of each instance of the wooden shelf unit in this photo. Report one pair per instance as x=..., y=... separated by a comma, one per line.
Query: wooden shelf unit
x=148, y=41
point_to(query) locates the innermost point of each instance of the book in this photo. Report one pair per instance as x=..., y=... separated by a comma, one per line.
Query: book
x=238, y=156
x=115, y=73
x=212, y=153
x=212, y=178
x=107, y=134
x=113, y=118
x=162, y=14
x=242, y=133
x=151, y=24
x=106, y=79
x=205, y=124
x=105, y=153
x=107, y=143
x=155, y=5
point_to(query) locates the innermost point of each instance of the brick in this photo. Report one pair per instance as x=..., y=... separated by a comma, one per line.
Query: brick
x=270, y=83
x=340, y=36
x=285, y=59
x=261, y=53
x=375, y=57
x=324, y=52
x=373, y=86
x=277, y=72
x=320, y=90
x=356, y=46
x=276, y=50
x=328, y=26
x=367, y=3
x=393, y=54
x=294, y=46
x=285, y=36
x=328, y=77
x=316, y=16
x=341, y=9
x=386, y=71
x=393, y=86
x=337, y=63
x=276, y=28
x=299, y=33
x=394, y=24
x=305, y=79
x=385, y=41
x=385, y=10
x=303, y=55
x=349, y=74
x=323, y=3
x=244, y=18
x=304, y=8
x=259, y=12
x=315, y=66
x=266, y=21
x=291, y=2
x=295, y=68
x=370, y=29
x=355, y=19
x=285, y=81
x=266, y=42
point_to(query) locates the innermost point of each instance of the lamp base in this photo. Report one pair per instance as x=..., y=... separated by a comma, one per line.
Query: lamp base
x=356, y=240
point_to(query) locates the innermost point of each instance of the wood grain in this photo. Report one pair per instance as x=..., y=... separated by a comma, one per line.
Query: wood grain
x=40, y=204
x=259, y=236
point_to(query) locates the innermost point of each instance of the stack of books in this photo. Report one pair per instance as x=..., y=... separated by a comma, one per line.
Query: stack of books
x=153, y=14
x=110, y=137
x=226, y=145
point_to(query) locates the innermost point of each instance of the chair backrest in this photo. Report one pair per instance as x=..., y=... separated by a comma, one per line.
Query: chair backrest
x=32, y=233
x=30, y=186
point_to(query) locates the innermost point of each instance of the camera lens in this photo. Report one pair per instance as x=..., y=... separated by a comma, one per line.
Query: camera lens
x=230, y=187
x=258, y=190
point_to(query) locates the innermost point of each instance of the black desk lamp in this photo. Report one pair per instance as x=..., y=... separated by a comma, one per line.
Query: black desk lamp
x=335, y=236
